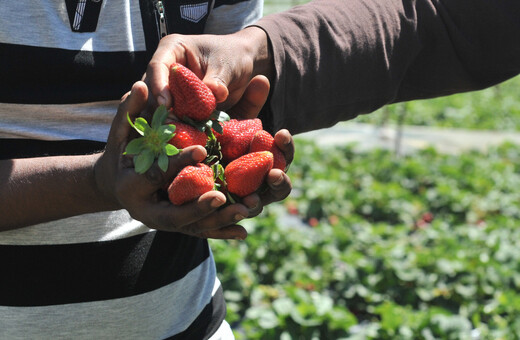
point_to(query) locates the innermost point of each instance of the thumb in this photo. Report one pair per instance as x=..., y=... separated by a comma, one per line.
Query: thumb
x=132, y=104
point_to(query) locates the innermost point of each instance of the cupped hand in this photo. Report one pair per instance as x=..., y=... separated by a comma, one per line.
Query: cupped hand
x=141, y=194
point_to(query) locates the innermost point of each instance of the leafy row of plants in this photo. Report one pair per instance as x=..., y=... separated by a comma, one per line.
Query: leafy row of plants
x=371, y=246
x=495, y=108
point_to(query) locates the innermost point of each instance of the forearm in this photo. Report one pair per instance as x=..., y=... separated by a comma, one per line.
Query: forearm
x=36, y=190
x=359, y=55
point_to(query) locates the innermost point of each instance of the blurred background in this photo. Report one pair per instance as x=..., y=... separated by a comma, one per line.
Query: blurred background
x=402, y=224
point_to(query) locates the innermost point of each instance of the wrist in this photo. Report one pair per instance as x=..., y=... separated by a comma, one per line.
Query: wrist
x=259, y=48
x=103, y=188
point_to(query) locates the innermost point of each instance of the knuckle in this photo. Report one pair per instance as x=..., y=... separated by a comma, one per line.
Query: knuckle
x=154, y=176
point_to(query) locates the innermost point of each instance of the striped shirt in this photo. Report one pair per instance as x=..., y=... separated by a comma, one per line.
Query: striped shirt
x=65, y=64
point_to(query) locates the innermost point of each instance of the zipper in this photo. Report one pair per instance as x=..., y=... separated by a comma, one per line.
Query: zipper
x=160, y=17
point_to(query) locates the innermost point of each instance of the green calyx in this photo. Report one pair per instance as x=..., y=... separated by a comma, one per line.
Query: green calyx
x=153, y=143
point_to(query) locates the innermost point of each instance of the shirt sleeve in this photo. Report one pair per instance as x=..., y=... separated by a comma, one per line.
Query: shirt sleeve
x=336, y=59
x=233, y=15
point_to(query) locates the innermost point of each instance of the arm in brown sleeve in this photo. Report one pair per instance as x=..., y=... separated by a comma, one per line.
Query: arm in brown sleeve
x=336, y=59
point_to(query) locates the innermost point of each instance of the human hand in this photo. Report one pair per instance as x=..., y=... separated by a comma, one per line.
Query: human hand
x=140, y=194
x=236, y=67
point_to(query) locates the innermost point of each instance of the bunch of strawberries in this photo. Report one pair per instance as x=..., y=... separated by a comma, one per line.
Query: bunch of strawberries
x=239, y=152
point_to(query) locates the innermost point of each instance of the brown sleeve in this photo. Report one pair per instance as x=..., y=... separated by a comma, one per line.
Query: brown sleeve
x=336, y=59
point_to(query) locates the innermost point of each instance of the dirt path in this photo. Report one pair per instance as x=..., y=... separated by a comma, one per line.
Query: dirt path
x=411, y=138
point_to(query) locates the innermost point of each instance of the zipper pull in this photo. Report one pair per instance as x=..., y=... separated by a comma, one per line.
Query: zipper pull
x=160, y=17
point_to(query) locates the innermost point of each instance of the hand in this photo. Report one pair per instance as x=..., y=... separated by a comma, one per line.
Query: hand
x=140, y=194
x=236, y=67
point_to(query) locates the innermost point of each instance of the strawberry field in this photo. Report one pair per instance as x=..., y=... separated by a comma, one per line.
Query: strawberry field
x=374, y=246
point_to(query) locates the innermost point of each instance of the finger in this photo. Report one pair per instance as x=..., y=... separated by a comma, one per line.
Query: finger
x=252, y=100
x=133, y=103
x=216, y=219
x=285, y=142
x=280, y=187
x=170, y=50
x=217, y=79
x=232, y=232
x=218, y=86
x=198, y=217
x=254, y=203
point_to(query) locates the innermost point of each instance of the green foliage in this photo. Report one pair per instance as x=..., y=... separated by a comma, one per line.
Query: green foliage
x=371, y=246
x=153, y=143
x=495, y=108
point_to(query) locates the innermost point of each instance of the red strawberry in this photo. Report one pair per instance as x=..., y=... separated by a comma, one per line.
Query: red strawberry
x=236, y=137
x=191, y=97
x=245, y=174
x=263, y=141
x=186, y=135
x=190, y=183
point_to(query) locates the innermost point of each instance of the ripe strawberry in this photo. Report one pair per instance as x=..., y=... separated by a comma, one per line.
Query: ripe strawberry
x=245, y=174
x=190, y=183
x=191, y=97
x=236, y=137
x=263, y=141
x=186, y=135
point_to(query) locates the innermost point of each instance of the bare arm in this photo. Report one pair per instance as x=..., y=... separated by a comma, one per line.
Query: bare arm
x=36, y=190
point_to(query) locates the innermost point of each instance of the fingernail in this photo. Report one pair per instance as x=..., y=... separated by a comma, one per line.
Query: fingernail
x=161, y=100
x=239, y=217
x=254, y=207
x=252, y=204
x=278, y=181
x=217, y=202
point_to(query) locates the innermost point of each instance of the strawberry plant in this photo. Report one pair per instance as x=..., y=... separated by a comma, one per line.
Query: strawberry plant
x=496, y=108
x=370, y=246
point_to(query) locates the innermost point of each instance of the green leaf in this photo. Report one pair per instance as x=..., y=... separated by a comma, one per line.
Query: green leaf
x=217, y=127
x=163, y=161
x=223, y=117
x=159, y=117
x=135, y=146
x=171, y=150
x=283, y=306
x=220, y=116
x=220, y=171
x=133, y=125
x=143, y=161
x=166, y=132
x=141, y=125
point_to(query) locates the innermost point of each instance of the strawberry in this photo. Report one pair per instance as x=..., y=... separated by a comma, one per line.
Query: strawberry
x=236, y=137
x=186, y=135
x=190, y=183
x=246, y=174
x=263, y=141
x=191, y=97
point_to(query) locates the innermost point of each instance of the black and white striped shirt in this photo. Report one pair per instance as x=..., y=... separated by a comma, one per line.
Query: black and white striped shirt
x=64, y=64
